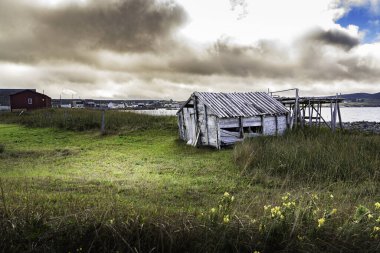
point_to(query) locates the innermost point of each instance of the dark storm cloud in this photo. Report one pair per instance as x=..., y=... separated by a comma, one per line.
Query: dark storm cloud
x=316, y=56
x=74, y=31
x=335, y=37
x=262, y=60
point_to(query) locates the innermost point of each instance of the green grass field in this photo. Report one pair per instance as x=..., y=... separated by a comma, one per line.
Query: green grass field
x=141, y=189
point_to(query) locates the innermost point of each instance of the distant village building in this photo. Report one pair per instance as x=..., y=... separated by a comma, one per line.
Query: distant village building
x=5, y=100
x=29, y=100
x=77, y=104
x=221, y=119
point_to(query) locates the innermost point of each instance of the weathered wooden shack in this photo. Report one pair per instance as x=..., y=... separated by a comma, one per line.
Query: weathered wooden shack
x=221, y=119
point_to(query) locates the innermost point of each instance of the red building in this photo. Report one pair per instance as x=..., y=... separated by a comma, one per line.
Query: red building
x=29, y=100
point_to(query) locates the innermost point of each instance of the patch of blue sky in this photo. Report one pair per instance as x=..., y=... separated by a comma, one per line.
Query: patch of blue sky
x=367, y=21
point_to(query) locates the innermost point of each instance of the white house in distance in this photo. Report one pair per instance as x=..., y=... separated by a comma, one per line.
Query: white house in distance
x=221, y=119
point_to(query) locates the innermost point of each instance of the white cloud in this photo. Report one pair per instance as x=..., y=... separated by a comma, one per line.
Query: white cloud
x=269, y=19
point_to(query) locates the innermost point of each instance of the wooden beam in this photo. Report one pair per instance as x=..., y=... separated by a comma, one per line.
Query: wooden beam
x=276, y=119
x=197, y=127
x=318, y=114
x=218, y=142
x=340, y=118
x=331, y=115
x=206, y=123
x=296, y=108
x=309, y=107
x=241, y=127
x=335, y=111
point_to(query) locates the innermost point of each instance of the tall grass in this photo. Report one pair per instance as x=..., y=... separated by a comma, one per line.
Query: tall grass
x=50, y=215
x=83, y=119
x=312, y=155
x=294, y=225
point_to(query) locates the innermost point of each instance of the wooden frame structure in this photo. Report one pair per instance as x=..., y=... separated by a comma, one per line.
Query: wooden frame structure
x=308, y=110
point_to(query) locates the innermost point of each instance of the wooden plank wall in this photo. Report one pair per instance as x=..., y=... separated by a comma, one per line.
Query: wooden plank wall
x=208, y=126
x=274, y=125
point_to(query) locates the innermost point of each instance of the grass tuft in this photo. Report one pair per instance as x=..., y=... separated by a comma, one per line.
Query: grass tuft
x=312, y=155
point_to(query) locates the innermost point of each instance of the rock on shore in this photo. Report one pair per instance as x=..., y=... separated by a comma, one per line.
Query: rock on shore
x=363, y=126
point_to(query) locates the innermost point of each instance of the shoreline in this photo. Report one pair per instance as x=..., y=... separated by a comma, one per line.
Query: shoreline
x=363, y=126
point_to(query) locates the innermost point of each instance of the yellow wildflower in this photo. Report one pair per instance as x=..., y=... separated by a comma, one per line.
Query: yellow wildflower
x=213, y=210
x=369, y=216
x=377, y=205
x=276, y=211
x=376, y=229
x=232, y=198
x=333, y=211
x=266, y=207
x=256, y=251
x=226, y=194
x=226, y=219
x=321, y=222
x=378, y=219
x=314, y=196
x=289, y=204
x=331, y=196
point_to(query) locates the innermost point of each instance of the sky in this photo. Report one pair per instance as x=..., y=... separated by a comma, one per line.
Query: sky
x=167, y=49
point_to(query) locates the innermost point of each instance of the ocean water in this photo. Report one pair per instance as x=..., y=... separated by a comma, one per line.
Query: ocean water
x=349, y=114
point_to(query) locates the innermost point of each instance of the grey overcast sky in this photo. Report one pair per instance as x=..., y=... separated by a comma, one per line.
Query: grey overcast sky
x=160, y=49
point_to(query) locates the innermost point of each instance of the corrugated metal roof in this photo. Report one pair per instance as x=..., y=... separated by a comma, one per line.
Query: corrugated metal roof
x=241, y=104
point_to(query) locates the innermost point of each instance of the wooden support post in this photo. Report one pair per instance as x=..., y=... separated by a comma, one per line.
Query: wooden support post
x=312, y=111
x=103, y=123
x=331, y=115
x=340, y=118
x=196, y=118
x=218, y=142
x=296, y=109
x=291, y=117
x=309, y=107
x=276, y=118
x=302, y=117
x=241, y=127
x=320, y=113
x=206, y=125
x=335, y=111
